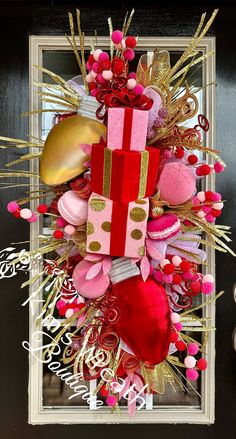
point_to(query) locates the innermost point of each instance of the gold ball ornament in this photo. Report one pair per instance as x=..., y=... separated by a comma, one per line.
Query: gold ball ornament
x=62, y=158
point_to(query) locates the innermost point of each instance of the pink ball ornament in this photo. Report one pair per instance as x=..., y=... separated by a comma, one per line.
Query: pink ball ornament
x=60, y=222
x=111, y=400
x=178, y=326
x=103, y=57
x=26, y=214
x=175, y=317
x=33, y=218
x=192, y=374
x=12, y=206
x=177, y=183
x=192, y=348
x=207, y=287
x=132, y=75
x=129, y=54
x=138, y=89
x=107, y=75
x=190, y=361
x=96, y=54
x=176, y=260
x=218, y=167
x=131, y=83
x=117, y=36
x=69, y=230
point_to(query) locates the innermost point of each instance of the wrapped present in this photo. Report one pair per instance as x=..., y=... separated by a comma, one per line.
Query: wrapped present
x=124, y=176
x=116, y=229
x=127, y=129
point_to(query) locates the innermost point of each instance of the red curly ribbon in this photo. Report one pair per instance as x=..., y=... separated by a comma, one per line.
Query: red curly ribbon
x=129, y=362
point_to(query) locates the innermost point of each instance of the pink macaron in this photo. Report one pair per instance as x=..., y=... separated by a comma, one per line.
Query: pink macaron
x=73, y=208
x=164, y=227
x=89, y=288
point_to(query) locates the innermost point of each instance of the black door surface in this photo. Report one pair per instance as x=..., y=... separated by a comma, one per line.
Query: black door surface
x=18, y=20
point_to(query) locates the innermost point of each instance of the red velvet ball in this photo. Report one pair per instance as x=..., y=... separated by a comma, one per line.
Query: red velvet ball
x=177, y=279
x=185, y=266
x=192, y=159
x=144, y=323
x=103, y=391
x=58, y=234
x=180, y=345
x=216, y=212
x=179, y=153
x=169, y=269
x=42, y=208
x=195, y=288
x=130, y=42
x=174, y=337
x=202, y=364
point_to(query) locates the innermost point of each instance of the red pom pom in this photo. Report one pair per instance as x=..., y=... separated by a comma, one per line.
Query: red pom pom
x=204, y=170
x=103, y=391
x=179, y=153
x=118, y=66
x=180, y=345
x=42, y=208
x=105, y=65
x=195, y=288
x=192, y=159
x=169, y=269
x=173, y=337
x=209, y=195
x=130, y=42
x=185, y=266
x=58, y=234
x=215, y=212
x=16, y=214
x=177, y=279
x=202, y=364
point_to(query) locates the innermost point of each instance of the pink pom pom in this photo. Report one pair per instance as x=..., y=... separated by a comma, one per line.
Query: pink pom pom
x=60, y=222
x=201, y=196
x=88, y=66
x=117, y=36
x=69, y=229
x=175, y=317
x=192, y=348
x=103, y=57
x=210, y=218
x=187, y=275
x=129, y=54
x=206, y=209
x=111, y=400
x=218, y=167
x=138, y=89
x=176, y=260
x=96, y=54
x=100, y=79
x=132, y=75
x=12, y=207
x=33, y=218
x=158, y=276
x=95, y=67
x=107, y=75
x=131, y=83
x=94, y=92
x=25, y=214
x=189, y=361
x=216, y=196
x=178, y=326
x=207, y=288
x=208, y=278
x=167, y=278
x=192, y=374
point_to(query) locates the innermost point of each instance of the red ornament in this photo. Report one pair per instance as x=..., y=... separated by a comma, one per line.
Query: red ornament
x=58, y=234
x=192, y=159
x=42, y=208
x=144, y=322
x=202, y=364
x=203, y=170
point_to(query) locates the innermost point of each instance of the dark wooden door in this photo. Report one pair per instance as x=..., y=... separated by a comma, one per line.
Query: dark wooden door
x=18, y=20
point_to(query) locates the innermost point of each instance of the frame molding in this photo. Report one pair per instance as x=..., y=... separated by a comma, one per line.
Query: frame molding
x=168, y=415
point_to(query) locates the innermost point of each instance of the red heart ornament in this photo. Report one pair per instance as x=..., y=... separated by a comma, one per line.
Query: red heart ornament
x=144, y=322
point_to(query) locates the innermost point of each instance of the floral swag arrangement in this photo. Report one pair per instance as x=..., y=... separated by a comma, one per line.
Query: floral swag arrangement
x=127, y=224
